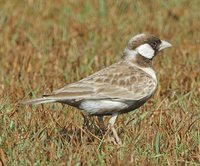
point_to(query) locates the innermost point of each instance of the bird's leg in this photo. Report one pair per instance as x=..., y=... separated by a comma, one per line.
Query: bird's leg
x=101, y=124
x=86, y=119
x=89, y=124
x=111, y=126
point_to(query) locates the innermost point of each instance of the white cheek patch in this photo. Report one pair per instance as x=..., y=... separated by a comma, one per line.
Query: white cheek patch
x=146, y=51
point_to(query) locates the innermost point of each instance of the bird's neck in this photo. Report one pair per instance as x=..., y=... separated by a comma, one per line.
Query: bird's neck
x=142, y=61
x=136, y=58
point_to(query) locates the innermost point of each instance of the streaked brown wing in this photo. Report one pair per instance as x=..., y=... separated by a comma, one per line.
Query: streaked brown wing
x=118, y=81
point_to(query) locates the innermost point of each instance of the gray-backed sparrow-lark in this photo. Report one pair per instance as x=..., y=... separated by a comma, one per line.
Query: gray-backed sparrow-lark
x=122, y=87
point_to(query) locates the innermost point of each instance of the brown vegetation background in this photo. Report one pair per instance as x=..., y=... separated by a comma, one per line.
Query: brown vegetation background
x=47, y=44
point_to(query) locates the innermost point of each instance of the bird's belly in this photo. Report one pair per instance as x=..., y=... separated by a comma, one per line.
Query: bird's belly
x=102, y=107
x=108, y=107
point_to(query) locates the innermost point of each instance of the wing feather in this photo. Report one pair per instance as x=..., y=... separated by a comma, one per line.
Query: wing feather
x=118, y=81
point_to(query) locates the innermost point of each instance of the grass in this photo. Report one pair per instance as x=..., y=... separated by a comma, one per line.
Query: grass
x=46, y=44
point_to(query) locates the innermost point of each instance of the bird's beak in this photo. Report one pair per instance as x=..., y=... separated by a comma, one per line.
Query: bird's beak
x=164, y=45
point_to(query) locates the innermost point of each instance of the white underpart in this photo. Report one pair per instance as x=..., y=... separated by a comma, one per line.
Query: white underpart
x=146, y=51
x=101, y=106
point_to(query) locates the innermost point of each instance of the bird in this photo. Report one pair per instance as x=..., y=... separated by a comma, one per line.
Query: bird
x=117, y=89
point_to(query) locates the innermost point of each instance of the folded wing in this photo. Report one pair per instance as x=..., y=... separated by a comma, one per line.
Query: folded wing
x=118, y=81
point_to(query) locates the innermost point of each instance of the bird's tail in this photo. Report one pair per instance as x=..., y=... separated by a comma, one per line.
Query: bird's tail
x=38, y=101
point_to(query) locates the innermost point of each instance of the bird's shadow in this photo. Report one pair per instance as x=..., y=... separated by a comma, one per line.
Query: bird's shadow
x=89, y=132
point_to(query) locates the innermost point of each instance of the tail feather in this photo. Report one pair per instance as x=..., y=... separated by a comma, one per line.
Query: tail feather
x=38, y=101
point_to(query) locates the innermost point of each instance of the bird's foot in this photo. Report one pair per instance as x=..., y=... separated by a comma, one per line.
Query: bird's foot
x=111, y=136
x=116, y=139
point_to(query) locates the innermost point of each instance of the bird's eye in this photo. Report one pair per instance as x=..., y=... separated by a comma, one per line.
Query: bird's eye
x=154, y=43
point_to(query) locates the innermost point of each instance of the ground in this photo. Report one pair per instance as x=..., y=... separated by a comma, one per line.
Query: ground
x=47, y=44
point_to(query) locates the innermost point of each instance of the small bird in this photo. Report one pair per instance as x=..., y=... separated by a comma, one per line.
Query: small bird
x=120, y=88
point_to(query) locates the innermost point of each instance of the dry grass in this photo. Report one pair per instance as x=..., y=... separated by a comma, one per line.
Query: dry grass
x=46, y=44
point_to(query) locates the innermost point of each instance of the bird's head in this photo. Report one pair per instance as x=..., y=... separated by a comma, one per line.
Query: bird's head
x=146, y=45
